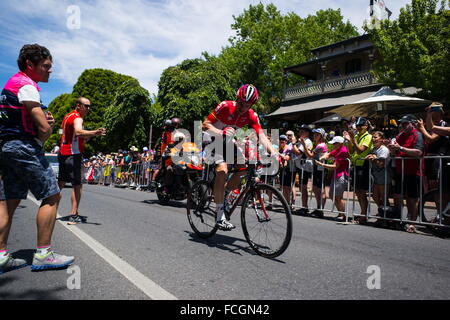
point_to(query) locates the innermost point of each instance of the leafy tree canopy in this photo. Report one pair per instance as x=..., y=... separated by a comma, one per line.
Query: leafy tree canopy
x=193, y=88
x=267, y=41
x=415, y=48
x=128, y=118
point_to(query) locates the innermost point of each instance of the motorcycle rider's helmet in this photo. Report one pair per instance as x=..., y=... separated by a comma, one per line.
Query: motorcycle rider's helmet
x=176, y=122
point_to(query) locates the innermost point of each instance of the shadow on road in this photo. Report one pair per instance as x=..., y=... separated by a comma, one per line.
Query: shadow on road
x=66, y=219
x=226, y=243
x=30, y=294
x=175, y=204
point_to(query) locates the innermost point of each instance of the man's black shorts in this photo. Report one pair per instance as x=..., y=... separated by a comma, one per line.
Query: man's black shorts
x=361, y=176
x=411, y=185
x=70, y=169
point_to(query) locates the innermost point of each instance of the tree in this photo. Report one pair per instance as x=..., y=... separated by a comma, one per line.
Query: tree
x=192, y=89
x=128, y=118
x=100, y=87
x=266, y=42
x=415, y=48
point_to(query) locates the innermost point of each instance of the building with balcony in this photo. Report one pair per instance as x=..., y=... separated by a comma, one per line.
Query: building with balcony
x=338, y=74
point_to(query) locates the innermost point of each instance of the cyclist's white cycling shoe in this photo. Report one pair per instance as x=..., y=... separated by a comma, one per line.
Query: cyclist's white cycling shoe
x=225, y=225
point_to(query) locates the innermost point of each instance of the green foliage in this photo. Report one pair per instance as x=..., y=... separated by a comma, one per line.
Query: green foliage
x=128, y=118
x=415, y=48
x=100, y=87
x=192, y=89
x=267, y=41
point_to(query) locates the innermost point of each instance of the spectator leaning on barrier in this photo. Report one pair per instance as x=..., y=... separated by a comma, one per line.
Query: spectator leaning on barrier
x=23, y=129
x=435, y=142
x=359, y=146
x=339, y=179
x=291, y=141
x=319, y=149
x=443, y=130
x=379, y=158
x=285, y=151
x=303, y=165
x=409, y=143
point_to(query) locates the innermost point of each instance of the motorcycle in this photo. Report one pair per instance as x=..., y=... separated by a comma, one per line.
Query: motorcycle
x=183, y=174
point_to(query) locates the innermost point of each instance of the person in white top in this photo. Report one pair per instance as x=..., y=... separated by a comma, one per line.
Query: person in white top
x=379, y=158
x=303, y=164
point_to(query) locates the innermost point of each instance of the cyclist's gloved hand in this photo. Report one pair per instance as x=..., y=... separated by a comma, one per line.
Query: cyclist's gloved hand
x=228, y=134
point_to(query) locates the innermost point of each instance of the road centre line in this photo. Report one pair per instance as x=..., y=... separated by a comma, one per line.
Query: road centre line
x=147, y=286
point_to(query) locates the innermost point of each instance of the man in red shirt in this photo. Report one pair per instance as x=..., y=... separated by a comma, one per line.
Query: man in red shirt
x=408, y=144
x=71, y=149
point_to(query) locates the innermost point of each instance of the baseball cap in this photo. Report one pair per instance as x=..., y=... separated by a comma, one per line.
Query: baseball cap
x=337, y=139
x=290, y=132
x=283, y=137
x=319, y=130
x=145, y=149
x=360, y=121
x=408, y=118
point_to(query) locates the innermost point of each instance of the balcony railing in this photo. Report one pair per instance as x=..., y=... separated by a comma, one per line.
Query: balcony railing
x=329, y=85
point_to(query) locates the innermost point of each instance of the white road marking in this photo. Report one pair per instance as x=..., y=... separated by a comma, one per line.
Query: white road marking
x=147, y=286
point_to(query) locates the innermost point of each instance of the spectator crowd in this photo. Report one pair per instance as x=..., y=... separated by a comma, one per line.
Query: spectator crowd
x=390, y=159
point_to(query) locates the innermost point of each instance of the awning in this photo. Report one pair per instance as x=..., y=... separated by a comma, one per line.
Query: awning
x=384, y=100
x=320, y=104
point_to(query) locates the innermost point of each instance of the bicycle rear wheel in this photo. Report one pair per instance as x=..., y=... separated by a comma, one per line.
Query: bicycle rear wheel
x=266, y=221
x=200, y=212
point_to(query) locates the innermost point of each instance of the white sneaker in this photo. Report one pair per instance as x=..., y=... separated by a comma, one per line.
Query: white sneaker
x=9, y=264
x=225, y=225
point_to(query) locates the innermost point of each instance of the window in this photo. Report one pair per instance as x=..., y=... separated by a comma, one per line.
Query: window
x=353, y=66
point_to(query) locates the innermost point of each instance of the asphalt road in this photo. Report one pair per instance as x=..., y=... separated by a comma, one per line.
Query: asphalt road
x=134, y=248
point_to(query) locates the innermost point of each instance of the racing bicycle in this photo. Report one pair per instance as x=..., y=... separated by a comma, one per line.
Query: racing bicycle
x=265, y=214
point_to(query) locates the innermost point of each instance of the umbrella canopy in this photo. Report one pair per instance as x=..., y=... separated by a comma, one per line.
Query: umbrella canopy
x=382, y=101
x=331, y=119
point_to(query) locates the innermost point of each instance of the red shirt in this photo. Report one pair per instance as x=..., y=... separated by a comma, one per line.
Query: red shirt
x=225, y=115
x=412, y=140
x=70, y=144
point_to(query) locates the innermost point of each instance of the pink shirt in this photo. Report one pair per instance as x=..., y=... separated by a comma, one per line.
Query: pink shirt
x=341, y=160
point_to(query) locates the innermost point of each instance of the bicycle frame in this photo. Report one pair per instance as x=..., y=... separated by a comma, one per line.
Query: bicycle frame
x=251, y=183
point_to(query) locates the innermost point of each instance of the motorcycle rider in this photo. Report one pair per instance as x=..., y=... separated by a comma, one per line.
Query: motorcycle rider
x=167, y=139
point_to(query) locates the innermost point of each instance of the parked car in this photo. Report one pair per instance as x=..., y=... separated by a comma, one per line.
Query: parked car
x=53, y=160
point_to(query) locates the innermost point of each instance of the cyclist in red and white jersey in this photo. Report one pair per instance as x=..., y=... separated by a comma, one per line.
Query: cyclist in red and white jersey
x=222, y=122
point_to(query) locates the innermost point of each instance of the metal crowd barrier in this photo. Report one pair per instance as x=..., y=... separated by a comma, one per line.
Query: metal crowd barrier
x=132, y=175
x=423, y=206
x=441, y=204
x=141, y=174
x=296, y=166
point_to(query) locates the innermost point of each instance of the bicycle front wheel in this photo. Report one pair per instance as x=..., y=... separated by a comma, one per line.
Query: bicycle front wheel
x=266, y=221
x=200, y=211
